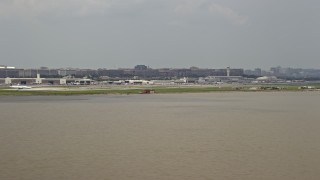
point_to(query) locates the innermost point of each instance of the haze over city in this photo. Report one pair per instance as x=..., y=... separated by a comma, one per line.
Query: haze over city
x=159, y=89
x=166, y=33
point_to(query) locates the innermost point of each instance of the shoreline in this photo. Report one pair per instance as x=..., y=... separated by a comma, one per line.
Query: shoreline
x=87, y=90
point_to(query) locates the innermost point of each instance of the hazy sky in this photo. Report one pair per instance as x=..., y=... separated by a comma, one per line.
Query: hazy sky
x=160, y=33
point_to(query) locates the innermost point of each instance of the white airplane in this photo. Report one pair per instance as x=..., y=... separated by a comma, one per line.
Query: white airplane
x=20, y=87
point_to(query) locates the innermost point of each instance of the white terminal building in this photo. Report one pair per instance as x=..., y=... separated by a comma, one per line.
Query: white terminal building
x=49, y=81
x=221, y=79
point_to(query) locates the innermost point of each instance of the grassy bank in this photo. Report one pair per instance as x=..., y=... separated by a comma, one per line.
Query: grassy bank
x=108, y=91
x=137, y=90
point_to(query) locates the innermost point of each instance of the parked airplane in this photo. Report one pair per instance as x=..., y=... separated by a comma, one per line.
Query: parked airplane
x=20, y=87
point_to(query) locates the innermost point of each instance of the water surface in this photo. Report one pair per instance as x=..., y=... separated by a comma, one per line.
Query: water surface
x=265, y=136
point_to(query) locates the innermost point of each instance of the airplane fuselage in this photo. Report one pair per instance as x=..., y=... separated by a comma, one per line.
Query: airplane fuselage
x=21, y=87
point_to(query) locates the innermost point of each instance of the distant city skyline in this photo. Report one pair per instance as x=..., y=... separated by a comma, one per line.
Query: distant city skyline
x=164, y=73
x=168, y=33
x=127, y=67
x=130, y=67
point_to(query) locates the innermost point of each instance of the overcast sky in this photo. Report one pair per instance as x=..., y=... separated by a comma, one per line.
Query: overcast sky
x=160, y=33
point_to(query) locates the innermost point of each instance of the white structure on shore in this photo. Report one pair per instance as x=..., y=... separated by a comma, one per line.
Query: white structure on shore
x=39, y=80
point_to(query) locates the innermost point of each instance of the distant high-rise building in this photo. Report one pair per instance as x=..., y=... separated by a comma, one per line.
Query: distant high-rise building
x=141, y=67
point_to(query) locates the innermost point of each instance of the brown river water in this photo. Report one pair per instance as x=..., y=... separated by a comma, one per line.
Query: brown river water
x=238, y=136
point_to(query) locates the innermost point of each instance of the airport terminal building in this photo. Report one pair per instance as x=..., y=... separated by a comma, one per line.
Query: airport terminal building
x=46, y=81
